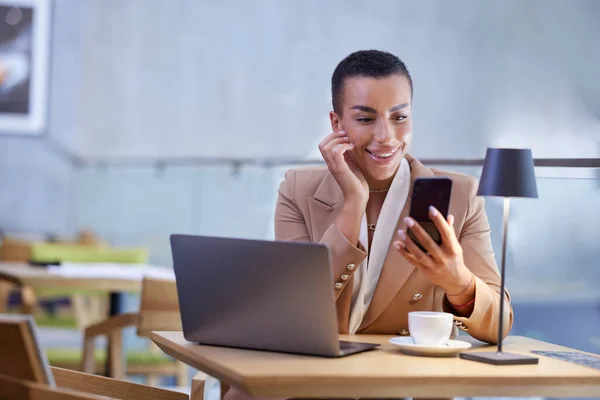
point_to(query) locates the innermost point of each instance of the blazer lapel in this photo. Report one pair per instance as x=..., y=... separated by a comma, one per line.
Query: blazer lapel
x=396, y=270
x=324, y=206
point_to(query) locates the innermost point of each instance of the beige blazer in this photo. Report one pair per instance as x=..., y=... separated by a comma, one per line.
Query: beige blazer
x=310, y=199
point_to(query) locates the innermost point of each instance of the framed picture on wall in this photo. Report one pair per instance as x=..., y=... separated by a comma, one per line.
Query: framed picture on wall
x=24, y=65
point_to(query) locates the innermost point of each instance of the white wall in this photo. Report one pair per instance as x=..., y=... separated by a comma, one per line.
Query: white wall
x=229, y=78
x=35, y=180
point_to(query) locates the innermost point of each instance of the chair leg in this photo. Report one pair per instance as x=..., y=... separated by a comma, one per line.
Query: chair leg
x=197, y=392
x=88, y=359
x=117, y=360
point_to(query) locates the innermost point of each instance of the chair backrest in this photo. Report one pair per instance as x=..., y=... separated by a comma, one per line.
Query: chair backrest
x=14, y=250
x=159, y=307
x=21, y=356
x=15, y=389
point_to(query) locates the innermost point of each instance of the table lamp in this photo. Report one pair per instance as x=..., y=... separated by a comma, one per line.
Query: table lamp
x=506, y=173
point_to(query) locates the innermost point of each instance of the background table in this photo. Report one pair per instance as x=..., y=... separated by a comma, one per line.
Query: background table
x=103, y=277
x=82, y=277
x=385, y=372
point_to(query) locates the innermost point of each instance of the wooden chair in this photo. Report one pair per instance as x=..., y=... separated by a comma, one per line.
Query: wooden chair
x=14, y=389
x=159, y=311
x=149, y=362
x=25, y=373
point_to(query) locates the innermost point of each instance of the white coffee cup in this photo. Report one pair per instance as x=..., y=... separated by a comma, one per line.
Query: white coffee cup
x=430, y=328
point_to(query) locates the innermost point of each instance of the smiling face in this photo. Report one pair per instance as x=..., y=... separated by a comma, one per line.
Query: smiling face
x=376, y=115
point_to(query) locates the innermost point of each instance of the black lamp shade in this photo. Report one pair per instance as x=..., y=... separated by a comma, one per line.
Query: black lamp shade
x=508, y=173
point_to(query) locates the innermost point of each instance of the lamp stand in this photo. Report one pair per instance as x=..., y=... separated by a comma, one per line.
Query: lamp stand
x=499, y=357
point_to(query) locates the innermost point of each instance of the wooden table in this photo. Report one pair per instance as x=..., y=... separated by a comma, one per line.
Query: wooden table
x=385, y=372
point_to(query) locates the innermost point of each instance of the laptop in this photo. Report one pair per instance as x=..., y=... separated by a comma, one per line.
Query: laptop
x=259, y=295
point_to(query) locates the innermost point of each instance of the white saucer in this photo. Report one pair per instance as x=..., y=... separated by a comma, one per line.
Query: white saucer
x=451, y=348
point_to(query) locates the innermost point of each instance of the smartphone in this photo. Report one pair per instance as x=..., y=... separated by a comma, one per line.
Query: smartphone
x=429, y=192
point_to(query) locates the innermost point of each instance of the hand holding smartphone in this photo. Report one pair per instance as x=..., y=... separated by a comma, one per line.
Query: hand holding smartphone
x=428, y=192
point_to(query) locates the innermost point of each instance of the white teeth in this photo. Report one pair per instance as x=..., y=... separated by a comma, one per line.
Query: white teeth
x=383, y=155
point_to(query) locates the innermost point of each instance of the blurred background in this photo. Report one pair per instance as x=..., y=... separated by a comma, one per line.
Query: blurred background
x=181, y=116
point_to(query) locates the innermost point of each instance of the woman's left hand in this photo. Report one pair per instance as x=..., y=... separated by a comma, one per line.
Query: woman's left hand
x=443, y=265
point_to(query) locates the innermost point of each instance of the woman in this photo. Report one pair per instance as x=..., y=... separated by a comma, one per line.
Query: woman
x=358, y=207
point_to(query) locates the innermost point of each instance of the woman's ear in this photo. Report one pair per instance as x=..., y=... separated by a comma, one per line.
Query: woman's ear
x=336, y=122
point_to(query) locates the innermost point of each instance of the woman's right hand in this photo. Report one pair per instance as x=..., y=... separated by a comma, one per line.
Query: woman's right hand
x=334, y=150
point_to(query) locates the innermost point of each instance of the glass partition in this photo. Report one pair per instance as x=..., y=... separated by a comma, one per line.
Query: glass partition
x=552, y=255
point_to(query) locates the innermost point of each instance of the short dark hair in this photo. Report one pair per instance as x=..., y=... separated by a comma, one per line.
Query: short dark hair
x=365, y=63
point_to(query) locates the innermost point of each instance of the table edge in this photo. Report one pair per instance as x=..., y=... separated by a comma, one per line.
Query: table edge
x=224, y=374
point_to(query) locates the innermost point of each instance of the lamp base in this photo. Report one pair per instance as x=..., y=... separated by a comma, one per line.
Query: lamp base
x=499, y=358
